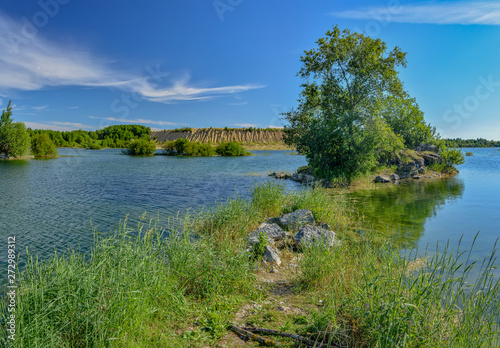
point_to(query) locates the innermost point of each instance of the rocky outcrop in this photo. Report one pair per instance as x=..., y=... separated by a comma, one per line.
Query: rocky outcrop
x=301, y=222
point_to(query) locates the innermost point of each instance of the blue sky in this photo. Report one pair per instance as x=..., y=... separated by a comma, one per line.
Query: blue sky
x=70, y=64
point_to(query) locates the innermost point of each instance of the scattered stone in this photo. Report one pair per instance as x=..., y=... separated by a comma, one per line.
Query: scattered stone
x=274, y=270
x=279, y=175
x=430, y=158
x=309, y=234
x=383, y=179
x=297, y=218
x=273, y=220
x=395, y=177
x=416, y=177
x=272, y=255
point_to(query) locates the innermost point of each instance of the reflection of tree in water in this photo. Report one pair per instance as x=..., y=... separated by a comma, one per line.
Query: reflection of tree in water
x=400, y=211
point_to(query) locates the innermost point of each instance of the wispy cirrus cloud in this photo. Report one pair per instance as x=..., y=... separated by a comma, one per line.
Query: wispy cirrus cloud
x=457, y=12
x=245, y=125
x=42, y=63
x=135, y=120
x=59, y=126
x=40, y=108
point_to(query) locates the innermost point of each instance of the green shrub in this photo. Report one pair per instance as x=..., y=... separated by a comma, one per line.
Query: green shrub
x=231, y=148
x=42, y=146
x=141, y=147
x=469, y=154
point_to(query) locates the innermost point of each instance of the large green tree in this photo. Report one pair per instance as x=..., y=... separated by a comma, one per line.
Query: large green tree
x=14, y=138
x=336, y=125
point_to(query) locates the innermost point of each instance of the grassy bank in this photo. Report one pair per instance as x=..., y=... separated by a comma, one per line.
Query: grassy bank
x=139, y=289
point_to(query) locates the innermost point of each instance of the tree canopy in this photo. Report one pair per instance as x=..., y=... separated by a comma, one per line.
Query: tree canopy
x=353, y=111
x=14, y=139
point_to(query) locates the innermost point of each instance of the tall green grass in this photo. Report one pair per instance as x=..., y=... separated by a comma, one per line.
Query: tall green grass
x=377, y=297
x=179, y=284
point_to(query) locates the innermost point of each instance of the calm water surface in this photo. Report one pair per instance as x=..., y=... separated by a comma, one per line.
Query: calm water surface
x=423, y=213
x=49, y=204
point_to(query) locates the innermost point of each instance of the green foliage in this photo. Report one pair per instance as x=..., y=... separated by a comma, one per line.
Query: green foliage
x=141, y=147
x=117, y=136
x=335, y=126
x=14, y=138
x=469, y=154
x=231, y=148
x=450, y=158
x=182, y=130
x=405, y=118
x=42, y=146
x=259, y=248
x=184, y=147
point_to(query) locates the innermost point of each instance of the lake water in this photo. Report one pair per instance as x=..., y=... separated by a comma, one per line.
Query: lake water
x=49, y=204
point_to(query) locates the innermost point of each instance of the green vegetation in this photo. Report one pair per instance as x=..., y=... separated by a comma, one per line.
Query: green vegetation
x=14, y=139
x=184, y=147
x=479, y=142
x=353, y=112
x=141, y=147
x=231, y=148
x=148, y=286
x=469, y=154
x=42, y=146
x=180, y=130
x=117, y=136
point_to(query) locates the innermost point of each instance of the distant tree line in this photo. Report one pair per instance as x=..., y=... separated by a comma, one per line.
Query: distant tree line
x=118, y=136
x=479, y=142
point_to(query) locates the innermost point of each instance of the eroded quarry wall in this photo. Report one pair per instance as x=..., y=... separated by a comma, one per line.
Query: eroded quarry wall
x=219, y=135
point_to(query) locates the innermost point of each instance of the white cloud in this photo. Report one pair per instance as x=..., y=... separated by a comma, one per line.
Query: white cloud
x=36, y=63
x=40, y=108
x=457, y=12
x=136, y=120
x=237, y=104
x=59, y=126
x=278, y=127
x=245, y=125
x=74, y=107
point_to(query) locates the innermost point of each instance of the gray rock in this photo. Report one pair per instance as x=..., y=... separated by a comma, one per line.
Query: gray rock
x=325, y=226
x=416, y=177
x=395, y=177
x=272, y=232
x=297, y=218
x=302, y=178
x=382, y=178
x=309, y=234
x=430, y=158
x=427, y=147
x=272, y=255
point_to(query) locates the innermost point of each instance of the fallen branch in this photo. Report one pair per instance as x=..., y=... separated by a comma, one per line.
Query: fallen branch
x=261, y=340
x=292, y=336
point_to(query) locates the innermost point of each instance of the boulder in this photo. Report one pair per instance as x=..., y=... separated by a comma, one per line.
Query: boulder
x=297, y=218
x=271, y=255
x=309, y=234
x=302, y=178
x=395, y=177
x=382, y=178
x=273, y=233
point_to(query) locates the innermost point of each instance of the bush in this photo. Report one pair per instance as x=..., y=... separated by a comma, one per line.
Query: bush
x=451, y=157
x=141, y=147
x=42, y=146
x=231, y=148
x=184, y=147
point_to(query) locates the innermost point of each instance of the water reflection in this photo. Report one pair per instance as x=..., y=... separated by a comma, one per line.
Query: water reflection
x=400, y=211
